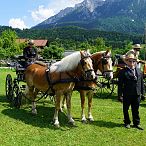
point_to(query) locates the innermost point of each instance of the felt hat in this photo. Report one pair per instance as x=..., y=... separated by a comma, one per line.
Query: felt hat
x=130, y=56
x=136, y=46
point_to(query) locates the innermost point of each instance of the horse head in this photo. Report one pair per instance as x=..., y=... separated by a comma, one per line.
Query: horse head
x=103, y=62
x=87, y=66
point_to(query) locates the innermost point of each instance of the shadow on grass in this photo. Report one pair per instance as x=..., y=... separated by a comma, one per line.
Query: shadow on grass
x=143, y=104
x=113, y=97
x=44, y=118
x=107, y=124
x=4, y=101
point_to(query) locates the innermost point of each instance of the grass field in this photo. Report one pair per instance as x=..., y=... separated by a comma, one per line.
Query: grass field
x=19, y=128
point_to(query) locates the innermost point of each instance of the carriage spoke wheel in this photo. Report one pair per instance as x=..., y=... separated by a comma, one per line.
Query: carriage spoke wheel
x=18, y=100
x=104, y=88
x=16, y=94
x=9, y=87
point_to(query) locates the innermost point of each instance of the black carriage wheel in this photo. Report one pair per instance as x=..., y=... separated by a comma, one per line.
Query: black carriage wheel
x=9, y=87
x=105, y=88
x=18, y=100
x=16, y=91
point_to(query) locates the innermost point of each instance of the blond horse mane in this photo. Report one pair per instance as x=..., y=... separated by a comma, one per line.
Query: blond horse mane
x=67, y=63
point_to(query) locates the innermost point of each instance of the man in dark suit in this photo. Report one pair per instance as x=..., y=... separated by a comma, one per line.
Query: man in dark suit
x=131, y=87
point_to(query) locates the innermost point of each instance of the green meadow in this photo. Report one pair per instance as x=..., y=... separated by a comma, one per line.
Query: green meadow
x=18, y=127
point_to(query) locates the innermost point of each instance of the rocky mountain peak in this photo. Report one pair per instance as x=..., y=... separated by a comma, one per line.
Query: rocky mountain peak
x=90, y=4
x=108, y=15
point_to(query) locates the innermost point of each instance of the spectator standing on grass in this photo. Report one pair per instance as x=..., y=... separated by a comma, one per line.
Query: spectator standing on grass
x=135, y=50
x=131, y=86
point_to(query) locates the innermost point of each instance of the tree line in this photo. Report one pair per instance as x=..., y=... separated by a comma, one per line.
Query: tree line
x=66, y=38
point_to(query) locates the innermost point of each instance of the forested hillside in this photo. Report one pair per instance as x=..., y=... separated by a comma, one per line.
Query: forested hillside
x=71, y=38
x=77, y=35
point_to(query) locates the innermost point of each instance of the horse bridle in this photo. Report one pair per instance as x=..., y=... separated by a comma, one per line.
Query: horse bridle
x=83, y=63
x=104, y=61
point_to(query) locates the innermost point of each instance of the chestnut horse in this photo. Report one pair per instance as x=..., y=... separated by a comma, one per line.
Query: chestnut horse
x=59, y=80
x=101, y=61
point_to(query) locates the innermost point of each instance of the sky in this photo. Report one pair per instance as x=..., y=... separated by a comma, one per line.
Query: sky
x=28, y=13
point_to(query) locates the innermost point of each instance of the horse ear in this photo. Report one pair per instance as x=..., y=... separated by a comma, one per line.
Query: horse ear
x=108, y=51
x=88, y=51
x=81, y=52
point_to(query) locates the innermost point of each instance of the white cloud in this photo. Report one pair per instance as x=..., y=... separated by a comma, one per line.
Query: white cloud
x=41, y=13
x=62, y=4
x=17, y=23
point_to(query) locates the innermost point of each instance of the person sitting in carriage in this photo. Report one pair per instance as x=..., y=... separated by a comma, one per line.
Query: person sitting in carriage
x=30, y=53
x=136, y=49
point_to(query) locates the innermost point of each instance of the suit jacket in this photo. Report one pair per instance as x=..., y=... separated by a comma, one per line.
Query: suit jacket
x=130, y=84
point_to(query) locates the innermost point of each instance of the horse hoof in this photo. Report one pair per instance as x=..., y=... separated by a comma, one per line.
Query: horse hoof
x=57, y=125
x=91, y=120
x=84, y=121
x=34, y=113
x=61, y=110
x=72, y=124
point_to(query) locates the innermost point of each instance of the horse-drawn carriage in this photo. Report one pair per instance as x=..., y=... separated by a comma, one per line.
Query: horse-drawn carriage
x=59, y=79
x=15, y=88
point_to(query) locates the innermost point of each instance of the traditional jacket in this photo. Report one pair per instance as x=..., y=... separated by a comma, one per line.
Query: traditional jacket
x=130, y=82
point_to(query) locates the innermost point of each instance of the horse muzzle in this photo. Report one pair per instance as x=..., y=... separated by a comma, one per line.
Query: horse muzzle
x=90, y=74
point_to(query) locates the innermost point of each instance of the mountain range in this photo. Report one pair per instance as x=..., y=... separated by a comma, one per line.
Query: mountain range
x=126, y=16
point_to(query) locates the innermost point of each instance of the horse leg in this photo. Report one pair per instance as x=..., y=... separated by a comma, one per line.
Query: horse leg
x=63, y=103
x=90, y=97
x=57, y=108
x=35, y=92
x=68, y=101
x=30, y=93
x=82, y=96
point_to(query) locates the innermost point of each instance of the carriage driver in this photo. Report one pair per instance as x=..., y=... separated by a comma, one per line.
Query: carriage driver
x=135, y=49
x=30, y=53
x=131, y=86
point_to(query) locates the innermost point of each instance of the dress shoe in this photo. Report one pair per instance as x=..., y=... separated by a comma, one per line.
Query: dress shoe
x=138, y=127
x=127, y=126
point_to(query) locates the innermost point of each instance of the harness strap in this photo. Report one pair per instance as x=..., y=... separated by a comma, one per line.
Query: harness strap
x=75, y=78
x=49, y=80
